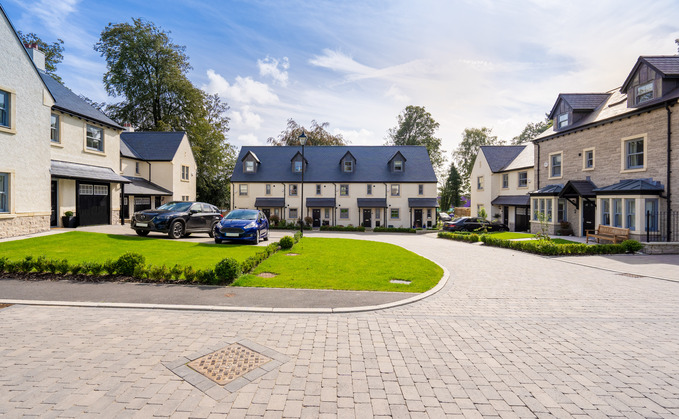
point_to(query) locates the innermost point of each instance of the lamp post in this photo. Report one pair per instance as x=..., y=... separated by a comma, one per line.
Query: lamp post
x=302, y=140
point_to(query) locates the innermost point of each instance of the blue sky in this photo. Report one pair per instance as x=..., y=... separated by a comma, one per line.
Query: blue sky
x=358, y=64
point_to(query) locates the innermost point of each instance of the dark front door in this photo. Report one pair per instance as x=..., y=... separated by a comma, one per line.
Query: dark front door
x=159, y=201
x=417, y=222
x=267, y=212
x=316, y=215
x=367, y=218
x=53, y=215
x=505, y=215
x=94, y=204
x=521, y=221
x=588, y=215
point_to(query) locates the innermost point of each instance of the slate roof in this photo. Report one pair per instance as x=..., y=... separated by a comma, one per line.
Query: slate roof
x=371, y=202
x=501, y=156
x=548, y=190
x=320, y=202
x=423, y=202
x=666, y=65
x=150, y=145
x=269, y=202
x=67, y=170
x=67, y=101
x=324, y=164
x=638, y=186
x=580, y=101
x=512, y=200
x=577, y=188
x=140, y=186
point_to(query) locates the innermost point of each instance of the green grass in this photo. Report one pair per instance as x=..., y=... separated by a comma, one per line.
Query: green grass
x=564, y=241
x=78, y=246
x=509, y=235
x=345, y=264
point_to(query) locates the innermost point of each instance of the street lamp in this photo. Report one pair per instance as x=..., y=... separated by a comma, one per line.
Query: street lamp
x=302, y=140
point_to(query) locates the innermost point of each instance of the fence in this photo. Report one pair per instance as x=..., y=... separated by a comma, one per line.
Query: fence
x=662, y=226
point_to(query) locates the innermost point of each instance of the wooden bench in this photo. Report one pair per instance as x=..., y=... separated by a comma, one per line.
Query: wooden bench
x=614, y=234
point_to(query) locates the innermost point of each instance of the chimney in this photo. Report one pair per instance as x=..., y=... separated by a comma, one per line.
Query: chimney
x=37, y=56
x=128, y=127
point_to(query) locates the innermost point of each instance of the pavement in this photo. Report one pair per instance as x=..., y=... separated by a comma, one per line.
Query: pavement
x=508, y=335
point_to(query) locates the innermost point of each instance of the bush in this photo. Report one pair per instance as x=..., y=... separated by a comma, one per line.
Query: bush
x=76, y=268
x=109, y=267
x=126, y=264
x=308, y=221
x=95, y=268
x=342, y=228
x=26, y=265
x=141, y=271
x=631, y=246
x=189, y=273
x=176, y=272
x=275, y=219
x=3, y=260
x=62, y=267
x=286, y=242
x=159, y=272
x=40, y=264
x=12, y=267
x=393, y=230
x=297, y=237
x=51, y=266
x=227, y=270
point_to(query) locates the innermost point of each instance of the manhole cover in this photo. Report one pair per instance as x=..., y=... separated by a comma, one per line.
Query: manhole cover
x=292, y=254
x=399, y=281
x=631, y=275
x=228, y=363
x=267, y=275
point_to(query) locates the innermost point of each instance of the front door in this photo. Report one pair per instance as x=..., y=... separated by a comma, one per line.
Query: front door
x=417, y=222
x=505, y=215
x=588, y=216
x=367, y=217
x=53, y=215
x=316, y=215
x=521, y=221
x=267, y=212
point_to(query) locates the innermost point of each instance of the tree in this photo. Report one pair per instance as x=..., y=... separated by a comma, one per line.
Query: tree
x=53, y=52
x=417, y=127
x=316, y=135
x=465, y=154
x=531, y=131
x=450, y=192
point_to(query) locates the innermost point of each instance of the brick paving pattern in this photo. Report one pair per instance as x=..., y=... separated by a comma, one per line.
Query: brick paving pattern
x=511, y=335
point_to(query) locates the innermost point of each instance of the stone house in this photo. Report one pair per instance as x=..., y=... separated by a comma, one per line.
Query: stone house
x=501, y=178
x=359, y=185
x=608, y=158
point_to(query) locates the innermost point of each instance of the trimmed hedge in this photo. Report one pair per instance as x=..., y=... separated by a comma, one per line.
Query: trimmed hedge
x=342, y=228
x=394, y=230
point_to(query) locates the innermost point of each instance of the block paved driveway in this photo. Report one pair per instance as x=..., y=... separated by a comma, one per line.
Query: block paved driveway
x=511, y=335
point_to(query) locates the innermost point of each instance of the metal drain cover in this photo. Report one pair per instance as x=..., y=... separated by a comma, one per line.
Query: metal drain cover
x=631, y=275
x=227, y=364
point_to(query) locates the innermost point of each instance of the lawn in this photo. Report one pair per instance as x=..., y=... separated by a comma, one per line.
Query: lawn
x=345, y=264
x=78, y=246
x=508, y=235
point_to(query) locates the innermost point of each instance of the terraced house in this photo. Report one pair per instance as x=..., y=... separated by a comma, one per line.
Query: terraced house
x=359, y=185
x=609, y=157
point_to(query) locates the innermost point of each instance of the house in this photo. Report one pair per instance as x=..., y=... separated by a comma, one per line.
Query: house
x=160, y=167
x=609, y=157
x=501, y=178
x=25, y=104
x=358, y=185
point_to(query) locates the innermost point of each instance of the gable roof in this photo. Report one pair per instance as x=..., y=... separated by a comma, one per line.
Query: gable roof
x=151, y=145
x=578, y=188
x=580, y=101
x=67, y=101
x=666, y=65
x=322, y=164
x=254, y=156
x=501, y=156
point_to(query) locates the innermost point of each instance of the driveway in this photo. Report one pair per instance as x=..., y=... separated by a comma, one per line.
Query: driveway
x=510, y=335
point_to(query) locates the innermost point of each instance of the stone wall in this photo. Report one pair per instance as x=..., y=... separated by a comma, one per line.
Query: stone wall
x=661, y=248
x=22, y=225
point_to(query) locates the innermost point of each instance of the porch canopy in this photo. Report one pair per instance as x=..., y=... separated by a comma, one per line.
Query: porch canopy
x=269, y=202
x=548, y=190
x=67, y=170
x=139, y=186
x=371, y=202
x=512, y=200
x=423, y=203
x=320, y=202
x=632, y=187
x=575, y=189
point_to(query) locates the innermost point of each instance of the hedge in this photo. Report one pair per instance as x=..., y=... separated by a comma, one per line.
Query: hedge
x=394, y=230
x=342, y=228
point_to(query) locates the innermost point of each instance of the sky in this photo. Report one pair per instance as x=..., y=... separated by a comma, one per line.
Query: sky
x=357, y=64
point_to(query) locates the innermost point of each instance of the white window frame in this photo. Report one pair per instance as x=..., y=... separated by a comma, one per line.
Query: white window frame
x=298, y=166
x=5, y=196
x=523, y=184
x=9, y=111
x=624, y=156
x=243, y=189
x=249, y=166
x=344, y=189
x=643, y=90
x=561, y=210
x=552, y=165
x=585, y=167
x=90, y=140
x=562, y=120
x=395, y=189
x=505, y=181
x=55, y=125
x=617, y=212
x=605, y=212
x=630, y=213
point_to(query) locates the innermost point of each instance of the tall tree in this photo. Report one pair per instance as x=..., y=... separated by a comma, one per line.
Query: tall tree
x=450, y=192
x=532, y=130
x=465, y=154
x=54, y=52
x=416, y=126
x=316, y=135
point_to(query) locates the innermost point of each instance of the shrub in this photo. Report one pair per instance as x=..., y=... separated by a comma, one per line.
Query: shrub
x=342, y=228
x=631, y=246
x=227, y=270
x=109, y=266
x=95, y=268
x=275, y=219
x=189, y=273
x=3, y=260
x=76, y=268
x=393, y=230
x=159, y=272
x=297, y=237
x=176, y=272
x=126, y=263
x=308, y=221
x=26, y=265
x=286, y=242
x=51, y=266
x=12, y=267
x=62, y=267
x=40, y=264
x=141, y=271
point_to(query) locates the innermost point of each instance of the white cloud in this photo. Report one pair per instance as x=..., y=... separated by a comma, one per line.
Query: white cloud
x=396, y=94
x=269, y=67
x=243, y=90
x=342, y=63
x=358, y=137
x=246, y=118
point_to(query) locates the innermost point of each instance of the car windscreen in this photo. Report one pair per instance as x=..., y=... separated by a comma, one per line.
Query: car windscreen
x=175, y=206
x=242, y=215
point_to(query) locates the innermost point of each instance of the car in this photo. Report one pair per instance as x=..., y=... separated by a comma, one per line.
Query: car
x=249, y=225
x=177, y=219
x=444, y=216
x=473, y=224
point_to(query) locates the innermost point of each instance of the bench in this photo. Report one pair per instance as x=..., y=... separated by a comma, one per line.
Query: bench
x=614, y=234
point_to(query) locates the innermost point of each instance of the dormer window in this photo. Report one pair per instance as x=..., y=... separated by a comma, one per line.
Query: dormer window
x=249, y=166
x=298, y=166
x=348, y=166
x=398, y=165
x=644, y=92
x=562, y=120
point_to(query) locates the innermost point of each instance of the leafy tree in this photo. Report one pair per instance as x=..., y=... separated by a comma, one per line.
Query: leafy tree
x=531, y=131
x=316, y=135
x=465, y=154
x=450, y=192
x=416, y=126
x=53, y=52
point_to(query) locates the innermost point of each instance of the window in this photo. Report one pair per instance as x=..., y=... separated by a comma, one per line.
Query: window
x=242, y=189
x=563, y=120
x=535, y=209
x=630, y=214
x=137, y=168
x=292, y=190
x=606, y=212
x=561, y=211
x=249, y=166
x=369, y=190
x=54, y=128
x=588, y=159
x=634, y=153
x=428, y=212
x=185, y=172
x=394, y=214
x=555, y=165
x=5, y=108
x=268, y=189
x=395, y=190
x=326, y=213
x=4, y=192
x=644, y=92
x=479, y=207
x=185, y=197
x=420, y=189
x=479, y=183
x=344, y=212
x=348, y=166
x=298, y=166
x=318, y=189
x=102, y=190
x=505, y=181
x=377, y=214
x=398, y=165
x=275, y=211
x=543, y=206
x=95, y=138
x=344, y=190
x=86, y=189
x=292, y=213
x=651, y=215
x=523, y=179
x=617, y=212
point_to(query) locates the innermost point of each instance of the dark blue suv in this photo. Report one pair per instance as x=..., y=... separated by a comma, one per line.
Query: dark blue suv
x=177, y=219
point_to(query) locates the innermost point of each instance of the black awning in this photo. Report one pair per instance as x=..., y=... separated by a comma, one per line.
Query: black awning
x=632, y=187
x=269, y=202
x=423, y=202
x=320, y=202
x=577, y=189
x=68, y=170
x=371, y=202
x=512, y=200
x=139, y=186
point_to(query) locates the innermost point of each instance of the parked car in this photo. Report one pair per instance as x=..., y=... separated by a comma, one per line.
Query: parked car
x=177, y=219
x=243, y=225
x=473, y=224
x=444, y=216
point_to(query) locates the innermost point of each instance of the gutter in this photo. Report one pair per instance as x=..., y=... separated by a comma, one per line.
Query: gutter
x=669, y=171
x=537, y=172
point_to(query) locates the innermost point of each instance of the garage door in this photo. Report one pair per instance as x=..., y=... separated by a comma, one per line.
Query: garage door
x=94, y=205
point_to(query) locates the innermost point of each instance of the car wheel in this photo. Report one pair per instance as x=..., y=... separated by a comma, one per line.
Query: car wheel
x=218, y=241
x=142, y=233
x=266, y=239
x=212, y=229
x=176, y=230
